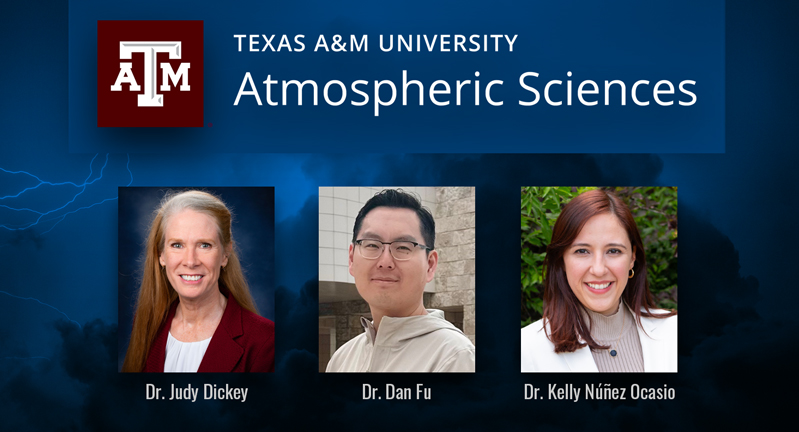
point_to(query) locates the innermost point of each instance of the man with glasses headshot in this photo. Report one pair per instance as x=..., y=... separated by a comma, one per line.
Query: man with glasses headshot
x=392, y=257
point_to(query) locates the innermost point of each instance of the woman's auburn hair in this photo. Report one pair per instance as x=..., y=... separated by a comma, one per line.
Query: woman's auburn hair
x=156, y=293
x=563, y=312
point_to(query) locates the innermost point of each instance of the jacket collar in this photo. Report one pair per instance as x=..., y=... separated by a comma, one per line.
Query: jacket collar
x=223, y=352
x=397, y=330
x=581, y=360
x=653, y=345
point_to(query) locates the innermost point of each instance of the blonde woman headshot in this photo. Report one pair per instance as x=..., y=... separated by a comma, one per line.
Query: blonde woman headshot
x=194, y=311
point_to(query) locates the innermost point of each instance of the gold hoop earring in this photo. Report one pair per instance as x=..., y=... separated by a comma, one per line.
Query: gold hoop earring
x=632, y=273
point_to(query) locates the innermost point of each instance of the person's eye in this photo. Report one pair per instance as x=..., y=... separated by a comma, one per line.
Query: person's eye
x=581, y=251
x=205, y=245
x=370, y=245
x=614, y=251
x=176, y=245
x=404, y=248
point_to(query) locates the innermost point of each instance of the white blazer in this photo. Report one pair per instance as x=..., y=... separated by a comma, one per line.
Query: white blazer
x=658, y=343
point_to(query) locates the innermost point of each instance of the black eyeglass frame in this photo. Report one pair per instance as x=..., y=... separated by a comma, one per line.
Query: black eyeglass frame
x=359, y=242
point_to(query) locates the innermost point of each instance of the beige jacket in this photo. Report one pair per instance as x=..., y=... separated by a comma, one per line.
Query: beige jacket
x=422, y=343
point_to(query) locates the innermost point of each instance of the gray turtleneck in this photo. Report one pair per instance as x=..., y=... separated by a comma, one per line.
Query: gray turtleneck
x=620, y=333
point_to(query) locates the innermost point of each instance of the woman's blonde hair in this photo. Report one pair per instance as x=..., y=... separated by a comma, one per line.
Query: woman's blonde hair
x=156, y=294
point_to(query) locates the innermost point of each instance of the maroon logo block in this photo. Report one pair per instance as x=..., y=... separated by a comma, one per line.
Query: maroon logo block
x=150, y=73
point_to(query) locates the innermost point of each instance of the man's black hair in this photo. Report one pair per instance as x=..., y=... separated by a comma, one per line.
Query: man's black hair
x=397, y=198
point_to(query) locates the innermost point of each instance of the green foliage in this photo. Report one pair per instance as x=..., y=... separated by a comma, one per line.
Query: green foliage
x=655, y=212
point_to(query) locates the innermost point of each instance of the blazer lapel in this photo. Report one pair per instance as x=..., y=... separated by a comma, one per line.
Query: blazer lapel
x=652, y=346
x=223, y=353
x=580, y=360
x=157, y=357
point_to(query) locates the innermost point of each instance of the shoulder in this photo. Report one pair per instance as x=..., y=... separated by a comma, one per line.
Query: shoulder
x=449, y=336
x=444, y=345
x=538, y=352
x=664, y=326
x=251, y=324
x=344, y=357
x=442, y=334
x=257, y=334
x=258, y=341
x=534, y=334
x=460, y=357
x=256, y=323
x=457, y=351
x=659, y=342
x=672, y=320
x=448, y=349
x=157, y=355
x=352, y=344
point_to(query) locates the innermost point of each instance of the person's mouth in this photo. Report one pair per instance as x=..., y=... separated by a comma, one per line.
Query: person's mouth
x=599, y=287
x=191, y=278
x=385, y=279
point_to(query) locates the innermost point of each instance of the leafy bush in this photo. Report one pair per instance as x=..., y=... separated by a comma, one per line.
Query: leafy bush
x=655, y=212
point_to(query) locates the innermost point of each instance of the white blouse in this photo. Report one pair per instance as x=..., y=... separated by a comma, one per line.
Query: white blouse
x=184, y=356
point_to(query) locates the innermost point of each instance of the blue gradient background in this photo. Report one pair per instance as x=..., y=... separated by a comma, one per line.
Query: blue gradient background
x=737, y=216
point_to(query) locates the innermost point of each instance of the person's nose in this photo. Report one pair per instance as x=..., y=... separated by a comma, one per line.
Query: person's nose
x=386, y=260
x=190, y=257
x=598, y=265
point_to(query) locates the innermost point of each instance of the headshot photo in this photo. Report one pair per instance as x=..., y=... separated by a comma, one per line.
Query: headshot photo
x=396, y=279
x=599, y=279
x=196, y=279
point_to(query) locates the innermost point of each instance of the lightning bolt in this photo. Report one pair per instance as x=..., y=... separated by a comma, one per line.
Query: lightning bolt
x=42, y=215
x=43, y=182
x=45, y=216
x=44, y=304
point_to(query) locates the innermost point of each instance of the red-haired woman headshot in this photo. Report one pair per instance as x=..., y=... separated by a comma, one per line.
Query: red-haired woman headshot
x=194, y=311
x=598, y=314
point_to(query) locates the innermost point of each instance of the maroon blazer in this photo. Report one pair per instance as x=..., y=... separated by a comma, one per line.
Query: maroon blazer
x=243, y=342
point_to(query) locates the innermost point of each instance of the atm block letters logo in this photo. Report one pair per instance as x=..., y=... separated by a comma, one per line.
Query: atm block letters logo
x=150, y=73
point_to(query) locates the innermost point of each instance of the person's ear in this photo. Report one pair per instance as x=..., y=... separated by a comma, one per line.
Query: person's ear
x=351, y=251
x=432, y=264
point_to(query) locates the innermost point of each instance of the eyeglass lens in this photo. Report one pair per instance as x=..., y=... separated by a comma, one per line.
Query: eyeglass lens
x=400, y=250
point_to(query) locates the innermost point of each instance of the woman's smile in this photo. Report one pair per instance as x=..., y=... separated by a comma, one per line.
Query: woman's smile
x=598, y=287
x=597, y=263
x=193, y=254
x=191, y=278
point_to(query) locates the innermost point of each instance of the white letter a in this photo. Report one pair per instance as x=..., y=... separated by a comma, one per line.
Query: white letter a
x=247, y=79
x=125, y=77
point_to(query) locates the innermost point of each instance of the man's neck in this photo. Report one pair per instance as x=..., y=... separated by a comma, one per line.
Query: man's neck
x=377, y=314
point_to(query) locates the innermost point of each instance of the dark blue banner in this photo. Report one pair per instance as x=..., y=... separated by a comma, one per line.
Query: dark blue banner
x=415, y=77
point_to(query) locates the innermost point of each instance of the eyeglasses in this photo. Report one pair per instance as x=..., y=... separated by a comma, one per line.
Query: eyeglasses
x=400, y=250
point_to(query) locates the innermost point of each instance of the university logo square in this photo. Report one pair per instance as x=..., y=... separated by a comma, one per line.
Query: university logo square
x=150, y=73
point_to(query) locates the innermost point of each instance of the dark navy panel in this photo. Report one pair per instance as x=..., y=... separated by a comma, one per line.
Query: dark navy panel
x=565, y=42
